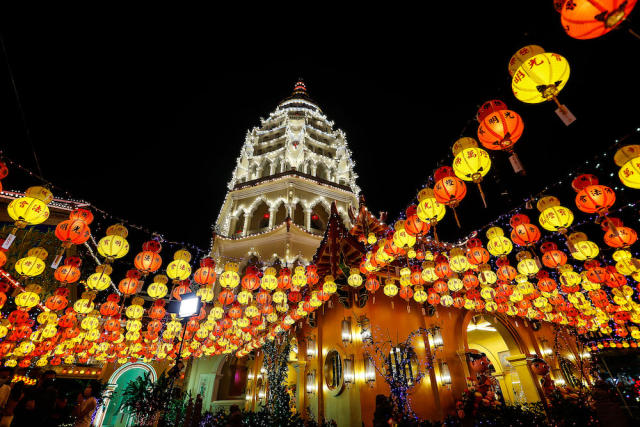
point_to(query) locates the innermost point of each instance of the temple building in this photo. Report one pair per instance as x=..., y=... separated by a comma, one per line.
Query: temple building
x=293, y=200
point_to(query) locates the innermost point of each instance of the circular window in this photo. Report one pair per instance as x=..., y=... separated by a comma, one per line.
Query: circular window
x=333, y=371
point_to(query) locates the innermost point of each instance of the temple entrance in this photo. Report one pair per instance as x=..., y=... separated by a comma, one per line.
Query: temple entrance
x=487, y=334
x=110, y=415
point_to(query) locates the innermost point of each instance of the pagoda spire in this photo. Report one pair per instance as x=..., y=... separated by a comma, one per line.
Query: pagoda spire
x=299, y=87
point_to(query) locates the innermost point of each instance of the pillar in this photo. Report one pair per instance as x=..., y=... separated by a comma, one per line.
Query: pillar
x=245, y=227
x=527, y=380
x=307, y=219
x=272, y=217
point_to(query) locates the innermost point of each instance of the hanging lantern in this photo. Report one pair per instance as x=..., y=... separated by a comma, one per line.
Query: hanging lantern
x=628, y=159
x=206, y=274
x=500, y=129
x=73, y=232
x=538, y=76
x=593, y=198
x=449, y=190
x=28, y=210
x=429, y=210
x=355, y=279
x=498, y=245
x=523, y=233
x=179, y=268
x=29, y=298
x=581, y=248
x=130, y=284
x=618, y=236
x=551, y=256
x=589, y=19
x=553, y=216
x=149, y=260
x=33, y=264
x=114, y=245
x=471, y=163
x=100, y=280
x=390, y=289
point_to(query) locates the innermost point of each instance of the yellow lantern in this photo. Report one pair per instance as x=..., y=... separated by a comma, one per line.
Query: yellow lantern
x=114, y=245
x=628, y=158
x=371, y=239
x=89, y=323
x=470, y=162
x=299, y=277
x=498, y=244
x=419, y=294
x=135, y=310
x=429, y=210
x=454, y=284
x=29, y=210
x=487, y=277
x=179, y=268
x=329, y=285
x=251, y=311
x=205, y=294
x=158, y=288
x=429, y=271
x=269, y=281
x=355, y=279
x=581, y=248
x=446, y=300
x=526, y=264
x=85, y=304
x=390, y=289
x=540, y=75
x=458, y=261
x=100, y=280
x=33, y=264
x=29, y=298
x=553, y=216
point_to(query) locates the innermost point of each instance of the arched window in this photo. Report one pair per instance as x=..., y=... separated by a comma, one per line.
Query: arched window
x=281, y=214
x=319, y=217
x=322, y=172
x=259, y=218
x=298, y=215
x=237, y=229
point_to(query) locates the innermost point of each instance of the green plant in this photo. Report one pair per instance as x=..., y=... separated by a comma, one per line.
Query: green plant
x=146, y=400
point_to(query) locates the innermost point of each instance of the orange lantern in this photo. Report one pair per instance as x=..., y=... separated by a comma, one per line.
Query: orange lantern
x=524, y=233
x=617, y=235
x=449, y=190
x=69, y=272
x=226, y=297
x=592, y=197
x=589, y=19
x=499, y=129
x=129, y=285
x=413, y=225
x=251, y=281
x=206, y=274
x=149, y=260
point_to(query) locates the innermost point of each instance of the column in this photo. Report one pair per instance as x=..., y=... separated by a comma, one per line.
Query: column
x=529, y=385
x=272, y=217
x=307, y=219
x=507, y=392
x=313, y=169
x=245, y=227
x=232, y=226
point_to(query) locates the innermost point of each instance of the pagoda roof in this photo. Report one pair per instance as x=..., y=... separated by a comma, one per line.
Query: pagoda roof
x=299, y=98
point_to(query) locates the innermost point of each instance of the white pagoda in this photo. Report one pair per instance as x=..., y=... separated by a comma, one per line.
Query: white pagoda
x=290, y=169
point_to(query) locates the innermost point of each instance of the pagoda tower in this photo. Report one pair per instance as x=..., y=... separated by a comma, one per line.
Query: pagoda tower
x=290, y=170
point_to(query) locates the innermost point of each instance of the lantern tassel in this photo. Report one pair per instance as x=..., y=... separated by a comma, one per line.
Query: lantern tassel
x=484, y=201
x=455, y=215
x=435, y=234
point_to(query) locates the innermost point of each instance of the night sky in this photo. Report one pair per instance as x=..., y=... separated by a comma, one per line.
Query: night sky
x=145, y=115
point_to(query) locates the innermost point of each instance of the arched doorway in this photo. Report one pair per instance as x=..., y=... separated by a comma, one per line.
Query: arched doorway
x=489, y=335
x=110, y=414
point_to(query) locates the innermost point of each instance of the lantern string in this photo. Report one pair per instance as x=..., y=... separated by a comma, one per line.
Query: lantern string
x=105, y=214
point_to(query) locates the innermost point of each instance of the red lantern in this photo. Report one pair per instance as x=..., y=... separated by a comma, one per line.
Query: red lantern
x=525, y=234
x=128, y=286
x=588, y=19
x=440, y=286
x=295, y=296
x=226, y=297
x=206, y=274
x=251, y=281
x=507, y=273
x=182, y=288
x=620, y=237
x=372, y=284
x=263, y=297
x=110, y=308
x=284, y=278
x=147, y=262
x=406, y=293
x=67, y=274
x=500, y=130
x=111, y=324
x=56, y=302
x=470, y=281
x=414, y=227
x=595, y=199
x=157, y=311
x=478, y=255
x=312, y=274
x=73, y=232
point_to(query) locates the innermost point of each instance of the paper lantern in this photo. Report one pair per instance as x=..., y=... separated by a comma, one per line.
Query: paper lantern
x=628, y=158
x=114, y=245
x=206, y=274
x=100, y=280
x=595, y=199
x=471, y=163
x=147, y=262
x=554, y=217
x=73, y=232
x=450, y=190
x=588, y=19
x=539, y=77
x=179, y=268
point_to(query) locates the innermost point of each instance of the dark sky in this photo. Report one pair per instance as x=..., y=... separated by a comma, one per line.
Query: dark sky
x=144, y=113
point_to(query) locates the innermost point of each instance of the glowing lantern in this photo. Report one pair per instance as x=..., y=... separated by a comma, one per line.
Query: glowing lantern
x=73, y=232
x=100, y=280
x=618, y=236
x=205, y=293
x=149, y=260
x=526, y=264
x=158, y=288
x=588, y=19
x=299, y=278
x=206, y=274
x=179, y=268
x=226, y=297
x=85, y=305
x=129, y=285
x=413, y=225
x=110, y=308
x=355, y=279
x=538, y=76
x=312, y=274
x=498, y=245
x=500, y=129
x=390, y=289
x=58, y=300
x=33, y=264
x=69, y=272
x=449, y=190
x=29, y=298
x=628, y=158
x=183, y=287
x=29, y=210
x=372, y=284
x=594, y=198
x=471, y=163
x=284, y=278
x=581, y=248
x=524, y=233
x=554, y=217
x=114, y=245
